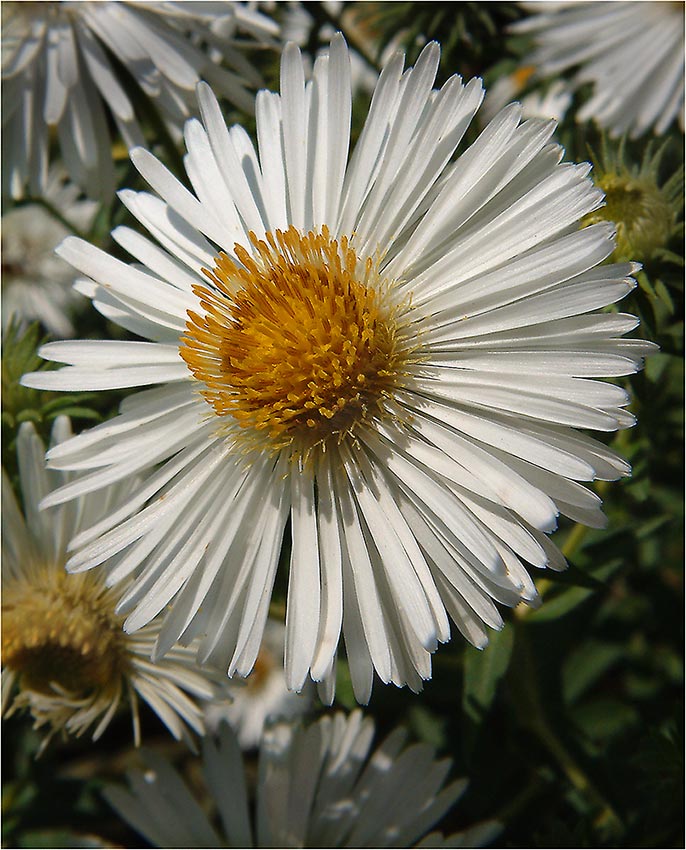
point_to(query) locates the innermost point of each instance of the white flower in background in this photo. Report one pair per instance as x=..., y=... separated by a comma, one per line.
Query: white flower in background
x=552, y=101
x=298, y=24
x=56, y=73
x=36, y=283
x=632, y=53
x=389, y=356
x=317, y=786
x=65, y=657
x=260, y=697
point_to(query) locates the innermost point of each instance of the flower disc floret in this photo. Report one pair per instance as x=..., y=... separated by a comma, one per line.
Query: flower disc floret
x=299, y=342
x=61, y=630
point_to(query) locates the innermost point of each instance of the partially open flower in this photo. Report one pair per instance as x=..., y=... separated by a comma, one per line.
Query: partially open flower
x=317, y=786
x=65, y=657
x=645, y=211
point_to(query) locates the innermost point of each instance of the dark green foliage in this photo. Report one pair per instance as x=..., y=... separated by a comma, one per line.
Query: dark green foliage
x=21, y=404
x=471, y=34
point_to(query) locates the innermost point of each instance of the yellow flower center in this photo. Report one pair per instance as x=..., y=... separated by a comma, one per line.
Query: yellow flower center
x=300, y=343
x=59, y=630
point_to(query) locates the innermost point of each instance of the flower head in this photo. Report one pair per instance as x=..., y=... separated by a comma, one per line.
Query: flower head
x=65, y=657
x=56, y=73
x=552, y=101
x=631, y=53
x=645, y=211
x=388, y=356
x=318, y=786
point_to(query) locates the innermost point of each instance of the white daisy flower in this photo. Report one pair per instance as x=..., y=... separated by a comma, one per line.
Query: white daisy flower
x=262, y=696
x=36, y=283
x=632, y=53
x=65, y=657
x=551, y=102
x=387, y=359
x=56, y=73
x=317, y=786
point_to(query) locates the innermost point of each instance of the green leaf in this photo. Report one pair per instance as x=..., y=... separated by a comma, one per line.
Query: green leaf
x=667, y=256
x=563, y=603
x=575, y=577
x=483, y=670
x=586, y=665
x=76, y=413
x=427, y=726
x=645, y=284
x=59, y=838
x=605, y=718
x=660, y=758
x=63, y=400
x=650, y=526
x=344, y=686
x=663, y=294
x=656, y=364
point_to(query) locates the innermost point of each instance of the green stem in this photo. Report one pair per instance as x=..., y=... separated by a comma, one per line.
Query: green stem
x=570, y=547
x=519, y=802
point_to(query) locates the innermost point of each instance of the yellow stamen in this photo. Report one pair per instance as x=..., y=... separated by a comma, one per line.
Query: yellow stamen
x=299, y=344
x=521, y=76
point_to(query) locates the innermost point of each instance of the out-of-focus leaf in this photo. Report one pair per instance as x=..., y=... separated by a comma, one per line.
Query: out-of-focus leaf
x=660, y=757
x=648, y=528
x=58, y=404
x=575, y=577
x=563, y=603
x=656, y=365
x=586, y=665
x=662, y=293
x=344, y=686
x=17, y=797
x=60, y=838
x=427, y=726
x=667, y=256
x=483, y=670
x=604, y=718
x=76, y=412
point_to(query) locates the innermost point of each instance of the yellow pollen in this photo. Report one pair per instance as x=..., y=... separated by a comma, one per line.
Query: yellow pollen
x=262, y=669
x=521, y=76
x=300, y=343
x=60, y=629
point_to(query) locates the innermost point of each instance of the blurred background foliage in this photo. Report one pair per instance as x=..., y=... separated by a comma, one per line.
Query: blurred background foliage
x=570, y=724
